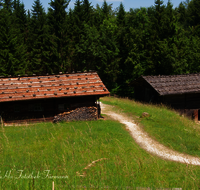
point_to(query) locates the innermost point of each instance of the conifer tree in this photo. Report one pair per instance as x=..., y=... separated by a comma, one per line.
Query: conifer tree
x=57, y=17
x=70, y=34
x=108, y=62
x=105, y=10
x=1, y=4
x=82, y=18
x=193, y=15
x=39, y=49
x=2, y=29
x=12, y=54
x=87, y=11
x=77, y=23
x=181, y=14
x=138, y=61
x=121, y=15
x=123, y=50
x=20, y=22
x=161, y=29
x=20, y=16
x=8, y=5
x=97, y=16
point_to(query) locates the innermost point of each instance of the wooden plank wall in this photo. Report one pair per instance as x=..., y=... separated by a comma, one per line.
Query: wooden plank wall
x=187, y=104
x=145, y=93
x=49, y=108
x=183, y=101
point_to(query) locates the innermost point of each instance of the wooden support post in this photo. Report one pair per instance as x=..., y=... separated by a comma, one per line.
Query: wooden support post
x=98, y=108
x=53, y=185
x=195, y=115
x=96, y=101
x=1, y=121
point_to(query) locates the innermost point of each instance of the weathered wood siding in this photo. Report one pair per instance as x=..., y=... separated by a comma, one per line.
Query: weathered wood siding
x=183, y=101
x=145, y=93
x=44, y=108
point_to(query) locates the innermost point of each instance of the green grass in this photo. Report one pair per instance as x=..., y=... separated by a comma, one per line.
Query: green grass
x=67, y=148
x=164, y=125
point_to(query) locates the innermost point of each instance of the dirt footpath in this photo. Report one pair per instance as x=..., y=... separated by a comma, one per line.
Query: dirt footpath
x=146, y=142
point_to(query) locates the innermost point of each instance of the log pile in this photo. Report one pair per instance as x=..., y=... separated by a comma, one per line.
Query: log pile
x=78, y=114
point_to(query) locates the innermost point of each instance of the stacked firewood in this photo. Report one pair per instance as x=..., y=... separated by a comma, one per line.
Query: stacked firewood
x=78, y=114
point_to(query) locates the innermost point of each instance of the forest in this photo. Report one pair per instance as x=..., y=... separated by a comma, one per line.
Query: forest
x=120, y=45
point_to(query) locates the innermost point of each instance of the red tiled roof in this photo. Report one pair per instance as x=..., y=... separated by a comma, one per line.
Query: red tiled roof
x=52, y=86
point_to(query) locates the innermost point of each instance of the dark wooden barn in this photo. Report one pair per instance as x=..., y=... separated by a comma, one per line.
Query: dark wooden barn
x=181, y=92
x=40, y=98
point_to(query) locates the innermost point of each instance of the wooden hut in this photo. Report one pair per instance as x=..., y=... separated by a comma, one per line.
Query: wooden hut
x=181, y=92
x=40, y=98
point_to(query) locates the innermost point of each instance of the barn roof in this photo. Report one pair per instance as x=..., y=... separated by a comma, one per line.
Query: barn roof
x=174, y=84
x=51, y=86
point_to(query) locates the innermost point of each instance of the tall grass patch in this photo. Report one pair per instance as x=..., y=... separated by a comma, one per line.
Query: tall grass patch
x=84, y=155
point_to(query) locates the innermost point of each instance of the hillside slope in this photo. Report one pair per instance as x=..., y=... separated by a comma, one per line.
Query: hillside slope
x=146, y=142
x=163, y=125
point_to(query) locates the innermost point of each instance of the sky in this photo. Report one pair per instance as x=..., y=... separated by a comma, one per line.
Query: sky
x=127, y=3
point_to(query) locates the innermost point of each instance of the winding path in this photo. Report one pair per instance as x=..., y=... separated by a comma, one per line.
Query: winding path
x=146, y=142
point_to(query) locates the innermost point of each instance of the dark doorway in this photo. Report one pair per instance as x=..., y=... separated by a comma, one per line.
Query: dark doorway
x=198, y=115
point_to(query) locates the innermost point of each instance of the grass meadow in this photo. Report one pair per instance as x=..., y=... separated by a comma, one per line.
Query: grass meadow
x=164, y=125
x=86, y=155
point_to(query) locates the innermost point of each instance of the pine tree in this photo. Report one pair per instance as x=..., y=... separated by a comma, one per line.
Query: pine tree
x=88, y=12
x=186, y=3
x=105, y=10
x=20, y=16
x=12, y=53
x=2, y=37
x=77, y=23
x=8, y=5
x=193, y=15
x=162, y=31
x=123, y=50
x=20, y=22
x=1, y=4
x=121, y=15
x=108, y=62
x=57, y=17
x=138, y=61
x=97, y=16
x=39, y=49
x=181, y=14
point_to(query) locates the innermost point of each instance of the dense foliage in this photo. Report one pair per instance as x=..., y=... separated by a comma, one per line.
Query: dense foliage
x=120, y=45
